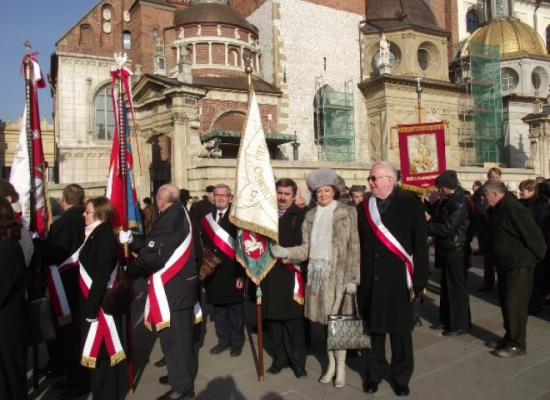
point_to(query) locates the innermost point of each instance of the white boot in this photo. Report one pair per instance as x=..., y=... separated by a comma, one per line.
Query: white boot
x=327, y=377
x=340, y=356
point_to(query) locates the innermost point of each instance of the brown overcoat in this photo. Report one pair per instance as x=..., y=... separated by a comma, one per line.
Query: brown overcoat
x=345, y=262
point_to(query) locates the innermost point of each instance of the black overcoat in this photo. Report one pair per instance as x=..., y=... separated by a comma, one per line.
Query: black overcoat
x=65, y=237
x=220, y=285
x=14, y=324
x=99, y=257
x=278, y=286
x=169, y=231
x=383, y=295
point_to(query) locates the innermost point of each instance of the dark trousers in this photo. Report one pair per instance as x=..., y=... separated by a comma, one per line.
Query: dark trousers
x=229, y=323
x=535, y=303
x=401, y=366
x=514, y=292
x=13, y=367
x=70, y=353
x=454, y=311
x=288, y=342
x=176, y=343
x=104, y=380
x=488, y=265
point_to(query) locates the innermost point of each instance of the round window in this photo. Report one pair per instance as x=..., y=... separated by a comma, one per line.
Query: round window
x=423, y=57
x=508, y=79
x=376, y=59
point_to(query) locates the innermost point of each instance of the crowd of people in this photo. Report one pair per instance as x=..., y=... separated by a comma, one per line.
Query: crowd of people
x=336, y=244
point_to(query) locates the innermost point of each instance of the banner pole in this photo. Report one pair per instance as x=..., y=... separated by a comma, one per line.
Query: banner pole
x=260, y=333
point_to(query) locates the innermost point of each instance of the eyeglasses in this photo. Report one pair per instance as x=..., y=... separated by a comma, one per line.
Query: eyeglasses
x=221, y=195
x=88, y=212
x=374, y=178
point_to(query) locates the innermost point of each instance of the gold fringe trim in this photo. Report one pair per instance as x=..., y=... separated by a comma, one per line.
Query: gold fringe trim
x=118, y=357
x=298, y=299
x=252, y=277
x=64, y=320
x=415, y=188
x=162, y=325
x=148, y=325
x=411, y=294
x=88, y=362
x=197, y=320
x=251, y=226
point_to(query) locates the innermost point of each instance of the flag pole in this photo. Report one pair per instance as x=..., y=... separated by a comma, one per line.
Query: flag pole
x=28, y=87
x=247, y=57
x=122, y=169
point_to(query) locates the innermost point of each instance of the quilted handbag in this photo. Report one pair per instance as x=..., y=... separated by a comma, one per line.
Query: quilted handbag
x=347, y=331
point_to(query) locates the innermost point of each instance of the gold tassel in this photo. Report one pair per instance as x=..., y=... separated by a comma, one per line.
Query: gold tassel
x=298, y=299
x=162, y=325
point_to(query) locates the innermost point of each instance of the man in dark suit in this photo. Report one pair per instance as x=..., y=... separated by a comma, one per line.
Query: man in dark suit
x=282, y=290
x=394, y=265
x=203, y=207
x=171, y=234
x=65, y=238
x=517, y=244
x=225, y=286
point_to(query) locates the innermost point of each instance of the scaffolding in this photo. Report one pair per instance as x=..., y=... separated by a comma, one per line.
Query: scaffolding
x=334, y=122
x=481, y=131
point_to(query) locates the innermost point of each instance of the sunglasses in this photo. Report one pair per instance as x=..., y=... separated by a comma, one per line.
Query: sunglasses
x=374, y=178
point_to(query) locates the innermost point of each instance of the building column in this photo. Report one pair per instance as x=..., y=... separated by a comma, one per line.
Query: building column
x=179, y=159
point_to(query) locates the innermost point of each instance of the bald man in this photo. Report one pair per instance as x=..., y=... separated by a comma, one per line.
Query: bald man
x=171, y=235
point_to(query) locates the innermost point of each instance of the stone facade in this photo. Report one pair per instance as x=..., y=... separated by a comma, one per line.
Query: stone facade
x=300, y=68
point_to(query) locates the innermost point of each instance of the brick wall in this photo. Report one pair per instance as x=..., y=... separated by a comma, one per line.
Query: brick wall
x=215, y=110
x=446, y=15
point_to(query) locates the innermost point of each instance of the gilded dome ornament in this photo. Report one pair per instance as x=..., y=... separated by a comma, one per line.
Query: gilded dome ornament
x=513, y=37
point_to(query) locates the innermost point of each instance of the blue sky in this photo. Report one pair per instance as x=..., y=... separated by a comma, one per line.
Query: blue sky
x=42, y=23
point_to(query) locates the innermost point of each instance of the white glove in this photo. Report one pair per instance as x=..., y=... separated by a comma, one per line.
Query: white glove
x=278, y=251
x=350, y=288
x=125, y=237
x=91, y=320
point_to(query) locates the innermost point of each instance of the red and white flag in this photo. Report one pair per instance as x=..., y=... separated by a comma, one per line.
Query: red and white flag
x=28, y=172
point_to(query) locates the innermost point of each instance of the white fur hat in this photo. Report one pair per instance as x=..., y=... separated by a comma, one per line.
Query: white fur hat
x=512, y=186
x=323, y=177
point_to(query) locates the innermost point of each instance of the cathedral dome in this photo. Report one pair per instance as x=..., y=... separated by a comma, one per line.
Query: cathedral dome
x=212, y=12
x=385, y=15
x=514, y=37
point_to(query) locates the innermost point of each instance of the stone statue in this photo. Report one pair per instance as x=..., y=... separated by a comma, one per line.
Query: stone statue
x=181, y=34
x=384, y=51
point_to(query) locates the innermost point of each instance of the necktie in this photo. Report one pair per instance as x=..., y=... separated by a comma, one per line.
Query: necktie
x=220, y=216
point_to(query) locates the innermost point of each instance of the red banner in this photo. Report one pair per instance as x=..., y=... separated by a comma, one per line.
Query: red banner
x=422, y=154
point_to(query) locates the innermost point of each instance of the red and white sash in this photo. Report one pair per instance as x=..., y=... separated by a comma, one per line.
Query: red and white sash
x=157, y=310
x=386, y=237
x=56, y=291
x=218, y=236
x=103, y=330
x=298, y=282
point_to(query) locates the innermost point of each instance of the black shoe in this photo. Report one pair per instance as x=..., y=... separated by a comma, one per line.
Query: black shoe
x=401, y=390
x=455, y=332
x=437, y=327
x=161, y=362
x=485, y=289
x=274, y=370
x=496, y=344
x=173, y=395
x=163, y=380
x=236, y=351
x=509, y=352
x=299, y=372
x=74, y=393
x=219, y=348
x=370, y=387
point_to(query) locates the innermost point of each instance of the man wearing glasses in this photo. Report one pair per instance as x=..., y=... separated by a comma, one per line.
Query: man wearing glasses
x=225, y=286
x=394, y=268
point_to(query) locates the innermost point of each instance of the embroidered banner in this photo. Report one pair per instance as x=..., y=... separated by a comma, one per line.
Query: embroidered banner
x=422, y=154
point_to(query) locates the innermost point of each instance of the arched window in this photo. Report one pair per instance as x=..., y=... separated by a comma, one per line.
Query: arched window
x=104, y=124
x=127, y=40
x=472, y=21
